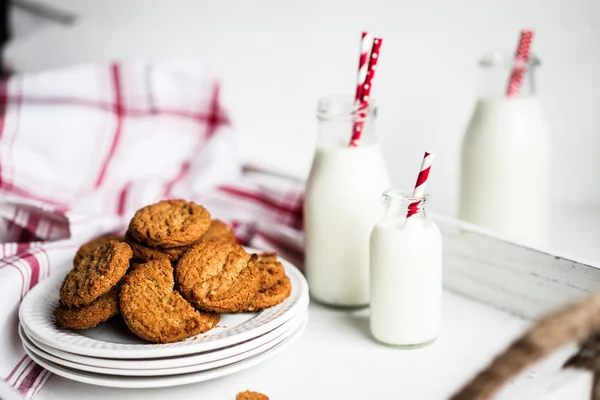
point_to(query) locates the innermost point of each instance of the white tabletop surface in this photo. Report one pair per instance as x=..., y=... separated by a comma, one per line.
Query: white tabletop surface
x=336, y=358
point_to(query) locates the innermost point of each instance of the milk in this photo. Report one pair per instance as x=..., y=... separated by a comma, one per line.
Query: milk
x=505, y=172
x=406, y=280
x=341, y=206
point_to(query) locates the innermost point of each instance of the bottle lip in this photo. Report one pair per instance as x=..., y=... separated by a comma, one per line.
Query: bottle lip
x=342, y=107
x=403, y=196
x=505, y=59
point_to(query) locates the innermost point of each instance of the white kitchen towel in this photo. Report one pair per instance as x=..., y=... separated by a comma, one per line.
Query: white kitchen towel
x=82, y=148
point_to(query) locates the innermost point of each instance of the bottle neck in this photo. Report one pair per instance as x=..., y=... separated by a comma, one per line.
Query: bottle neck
x=338, y=115
x=400, y=204
x=496, y=71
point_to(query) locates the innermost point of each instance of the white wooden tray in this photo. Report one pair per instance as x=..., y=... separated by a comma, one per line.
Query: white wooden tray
x=525, y=282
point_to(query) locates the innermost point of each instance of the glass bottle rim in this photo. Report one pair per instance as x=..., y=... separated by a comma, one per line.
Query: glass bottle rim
x=506, y=59
x=404, y=197
x=341, y=107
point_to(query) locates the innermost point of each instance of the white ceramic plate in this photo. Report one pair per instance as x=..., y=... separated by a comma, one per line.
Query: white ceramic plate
x=170, y=362
x=281, y=335
x=113, y=339
x=162, y=381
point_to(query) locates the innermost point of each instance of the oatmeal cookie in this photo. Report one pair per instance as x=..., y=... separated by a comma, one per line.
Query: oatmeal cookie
x=102, y=309
x=145, y=253
x=89, y=247
x=170, y=223
x=270, y=270
x=134, y=264
x=95, y=274
x=272, y=296
x=249, y=395
x=218, y=276
x=219, y=230
x=157, y=313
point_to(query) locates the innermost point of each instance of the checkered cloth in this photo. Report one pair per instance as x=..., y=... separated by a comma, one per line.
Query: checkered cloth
x=82, y=148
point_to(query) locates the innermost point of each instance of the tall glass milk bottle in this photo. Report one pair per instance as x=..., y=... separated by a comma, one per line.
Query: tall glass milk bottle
x=342, y=204
x=505, y=171
x=406, y=273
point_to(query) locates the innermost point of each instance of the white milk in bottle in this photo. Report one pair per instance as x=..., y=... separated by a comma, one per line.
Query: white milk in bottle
x=505, y=171
x=406, y=274
x=342, y=204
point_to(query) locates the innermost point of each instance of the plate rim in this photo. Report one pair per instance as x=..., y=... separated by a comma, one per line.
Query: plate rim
x=180, y=370
x=156, y=350
x=157, y=363
x=146, y=382
x=153, y=365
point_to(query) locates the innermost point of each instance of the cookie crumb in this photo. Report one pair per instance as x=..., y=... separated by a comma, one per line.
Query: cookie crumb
x=248, y=395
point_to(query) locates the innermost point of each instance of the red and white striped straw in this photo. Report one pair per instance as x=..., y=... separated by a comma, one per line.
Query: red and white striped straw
x=366, y=41
x=419, y=191
x=520, y=65
x=365, y=93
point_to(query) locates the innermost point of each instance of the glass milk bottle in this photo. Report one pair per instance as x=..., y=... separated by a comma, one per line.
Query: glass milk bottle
x=406, y=274
x=505, y=171
x=342, y=205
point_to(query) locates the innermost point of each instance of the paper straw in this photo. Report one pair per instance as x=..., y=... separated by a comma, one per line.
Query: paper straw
x=520, y=64
x=358, y=126
x=422, y=178
x=366, y=41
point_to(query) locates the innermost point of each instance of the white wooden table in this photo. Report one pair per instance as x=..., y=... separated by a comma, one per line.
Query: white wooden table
x=493, y=291
x=335, y=358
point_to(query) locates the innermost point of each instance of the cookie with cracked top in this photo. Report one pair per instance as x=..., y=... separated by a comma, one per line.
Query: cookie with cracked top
x=89, y=247
x=95, y=274
x=154, y=311
x=218, y=276
x=170, y=223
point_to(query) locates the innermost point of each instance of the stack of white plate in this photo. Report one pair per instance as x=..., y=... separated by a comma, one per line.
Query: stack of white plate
x=110, y=355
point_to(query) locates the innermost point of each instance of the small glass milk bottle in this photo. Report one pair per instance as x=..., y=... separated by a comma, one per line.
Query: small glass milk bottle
x=406, y=274
x=506, y=151
x=342, y=205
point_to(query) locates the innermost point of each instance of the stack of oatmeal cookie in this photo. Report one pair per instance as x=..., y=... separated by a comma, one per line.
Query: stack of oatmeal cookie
x=168, y=229
x=170, y=276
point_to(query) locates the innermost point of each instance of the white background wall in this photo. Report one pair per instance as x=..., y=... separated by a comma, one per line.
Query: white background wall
x=277, y=57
